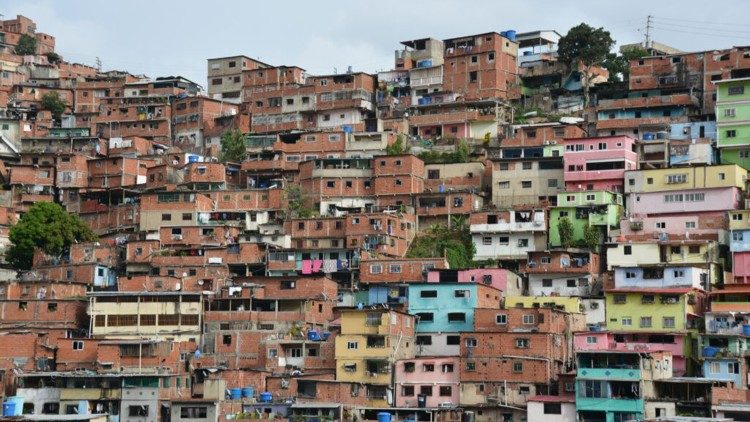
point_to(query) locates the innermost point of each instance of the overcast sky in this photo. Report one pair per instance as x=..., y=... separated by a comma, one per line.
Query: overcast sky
x=171, y=37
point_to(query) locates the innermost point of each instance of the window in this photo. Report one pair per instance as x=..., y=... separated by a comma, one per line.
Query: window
x=166, y=217
x=77, y=345
x=504, y=185
x=471, y=342
x=731, y=133
x=667, y=322
x=602, y=145
x=694, y=249
x=661, y=225
x=501, y=319
x=425, y=316
x=591, y=340
x=447, y=368
x=376, y=269
x=737, y=236
x=571, y=283
x=552, y=409
x=424, y=340
x=526, y=184
x=461, y=293
x=428, y=294
x=138, y=411
x=445, y=391
x=517, y=366
x=627, y=321
x=474, y=59
x=619, y=299
x=352, y=345
x=425, y=390
x=645, y=322
x=729, y=112
x=522, y=343
x=715, y=368
x=407, y=390
x=453, y=340
x=394, y=269
x=526, y=165
x=428, y=367
x=194, y=412
x=546, y=282
x=373, y=319
x=473, y=76
x=677, y=178
x=471, y=366
x=551, y=183
x=528, y=319
x=51, y=408
x=456, y=317
x=491, y=56
x=690, y=224
x=736, y=90
x=627, y=250
x=744, y=153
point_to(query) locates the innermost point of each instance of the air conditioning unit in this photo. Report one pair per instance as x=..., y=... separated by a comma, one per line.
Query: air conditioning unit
x=546, y=142
x=177, y=237
x=594, y=305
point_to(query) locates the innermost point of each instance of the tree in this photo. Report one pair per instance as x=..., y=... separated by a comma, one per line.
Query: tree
x=397, y=148
x=53, y=57
x=592, y=238
x=565, y=231
x=586, y=47
x=46, y=226
x=454, y=243
x=619, y=64
x=51, y=101
x=233, y=147
x=296, y=203
x=26, y=45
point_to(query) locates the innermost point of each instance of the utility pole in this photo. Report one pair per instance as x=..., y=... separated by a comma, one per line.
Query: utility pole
x=98, y=64
x=648, y=31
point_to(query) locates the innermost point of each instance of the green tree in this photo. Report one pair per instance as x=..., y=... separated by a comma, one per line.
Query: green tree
x=233, y=147
x=398, y=147
x=454, y=243
x=46, y=226
x=565, y=232
x=584, y=46
x=26, y=45
x=296, y=202
x=51, y=101
x=53, y=57
x=619, y=64
x=592, y=238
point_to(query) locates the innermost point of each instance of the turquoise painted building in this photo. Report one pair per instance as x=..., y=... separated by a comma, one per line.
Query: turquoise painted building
x=613, y=386
x=449, y=307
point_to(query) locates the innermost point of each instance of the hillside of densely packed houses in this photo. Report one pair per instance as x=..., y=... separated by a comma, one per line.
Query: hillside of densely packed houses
x=611, y=269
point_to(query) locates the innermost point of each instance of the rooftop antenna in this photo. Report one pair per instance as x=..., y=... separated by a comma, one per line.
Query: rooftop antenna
x=98, y=64
x=648, y=31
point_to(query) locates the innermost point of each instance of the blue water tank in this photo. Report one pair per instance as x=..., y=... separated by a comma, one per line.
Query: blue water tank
x=424, y=63
x=648, y=136
x=313, y=335
x=235, y=393
x=510, y=34
x=746, y=330
x=15, y=406
x=9, y=408
x=266, y=397
x=347, y=129
x=384, y=417
x=248, y=392
x=710, y=352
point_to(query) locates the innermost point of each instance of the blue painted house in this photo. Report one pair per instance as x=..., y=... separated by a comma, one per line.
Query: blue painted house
x=449, y=307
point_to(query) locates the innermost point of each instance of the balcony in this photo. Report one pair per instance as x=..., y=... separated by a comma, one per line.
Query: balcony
x=640, y=102
x=444, y=118
x=637, y=122
x=624, y=374
x=508, y=227
x=607, y=404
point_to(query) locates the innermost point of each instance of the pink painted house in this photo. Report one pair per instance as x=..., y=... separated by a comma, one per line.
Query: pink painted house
x=638, y=226
x=711, y=199
x=499, y=278
x=437, y=378
x=741, y=267
x=598, y=163
x=607, y=340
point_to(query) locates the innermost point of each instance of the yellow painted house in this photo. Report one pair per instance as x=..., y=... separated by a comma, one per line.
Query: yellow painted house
x=666, y=310
x=682, y=178
x=571, y=304
x=371, y=341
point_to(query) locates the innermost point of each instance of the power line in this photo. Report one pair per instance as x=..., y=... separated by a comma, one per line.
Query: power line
x=697, y=33
x=731, y=31
x=705, y=22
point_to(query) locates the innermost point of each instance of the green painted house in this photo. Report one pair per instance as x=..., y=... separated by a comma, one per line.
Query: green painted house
x=601, y=209
x=733, y=121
